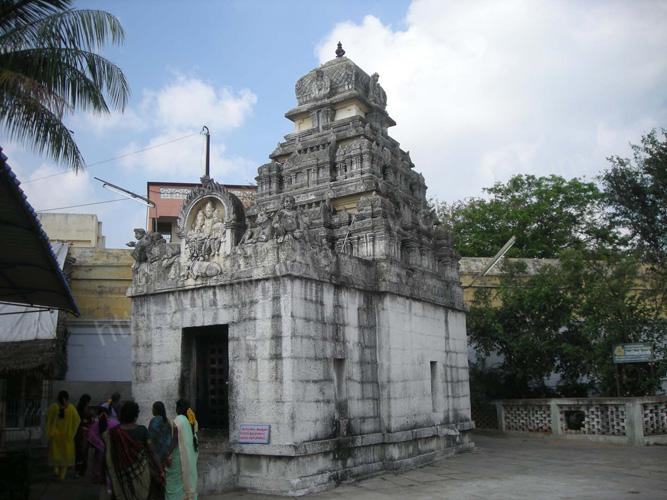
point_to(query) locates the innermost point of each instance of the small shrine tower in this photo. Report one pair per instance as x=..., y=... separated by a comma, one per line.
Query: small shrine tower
x=321, y=333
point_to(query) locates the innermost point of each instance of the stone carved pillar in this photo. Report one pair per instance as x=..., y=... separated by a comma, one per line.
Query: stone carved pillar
x=413, y=252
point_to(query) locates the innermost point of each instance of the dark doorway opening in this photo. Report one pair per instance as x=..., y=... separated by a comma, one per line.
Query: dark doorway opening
x=205, y=374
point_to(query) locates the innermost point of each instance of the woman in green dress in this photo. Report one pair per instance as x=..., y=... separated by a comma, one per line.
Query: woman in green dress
x=181, y=471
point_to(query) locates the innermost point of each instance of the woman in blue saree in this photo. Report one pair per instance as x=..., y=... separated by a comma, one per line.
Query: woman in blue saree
x=159, y=431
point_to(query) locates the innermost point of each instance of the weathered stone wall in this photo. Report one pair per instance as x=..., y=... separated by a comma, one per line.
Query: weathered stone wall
x=343, y=376
x=335, y=361
x=416, y=339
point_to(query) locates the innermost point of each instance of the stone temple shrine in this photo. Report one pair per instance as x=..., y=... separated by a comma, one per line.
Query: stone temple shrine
x=320, y=334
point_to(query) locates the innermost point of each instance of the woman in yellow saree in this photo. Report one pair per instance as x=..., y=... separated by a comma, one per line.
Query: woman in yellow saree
x=181, y=471
x=62, y=422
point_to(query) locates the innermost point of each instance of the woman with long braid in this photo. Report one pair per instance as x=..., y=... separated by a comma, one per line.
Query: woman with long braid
x=81, y=438
x=62, y=422
x=159, y=431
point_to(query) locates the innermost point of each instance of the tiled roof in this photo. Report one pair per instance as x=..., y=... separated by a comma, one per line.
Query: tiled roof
x=29, y=271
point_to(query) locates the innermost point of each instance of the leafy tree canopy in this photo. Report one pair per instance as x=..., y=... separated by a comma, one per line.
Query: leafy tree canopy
x=565, y=320
x=636, y=195
x=546, y=215
x=49, y=67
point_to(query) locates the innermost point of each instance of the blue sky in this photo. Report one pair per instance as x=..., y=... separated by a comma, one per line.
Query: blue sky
x=480, y=90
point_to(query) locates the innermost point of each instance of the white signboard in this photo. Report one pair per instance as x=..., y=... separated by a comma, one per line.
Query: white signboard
x=254, y=434
x=174, y=193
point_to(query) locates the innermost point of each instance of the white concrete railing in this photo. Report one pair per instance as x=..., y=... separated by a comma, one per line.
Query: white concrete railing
x=636, y=421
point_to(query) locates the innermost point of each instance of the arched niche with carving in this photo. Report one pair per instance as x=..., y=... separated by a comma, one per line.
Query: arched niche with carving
x=213, y=215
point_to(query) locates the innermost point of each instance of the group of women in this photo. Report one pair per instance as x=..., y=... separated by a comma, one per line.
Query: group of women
x=130, y=461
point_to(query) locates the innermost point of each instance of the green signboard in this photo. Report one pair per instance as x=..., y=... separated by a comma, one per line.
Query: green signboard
x=632, y=353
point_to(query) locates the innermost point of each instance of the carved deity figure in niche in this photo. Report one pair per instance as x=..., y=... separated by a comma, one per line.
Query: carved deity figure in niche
x=216, y=233
x=207, y=234
x=141, y=247
x=321, y=85
x=349, y=78
x=208, y=219
x=290, y=222
x=195, y=239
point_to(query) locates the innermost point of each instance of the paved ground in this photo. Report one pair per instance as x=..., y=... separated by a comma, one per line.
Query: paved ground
x=500, y=468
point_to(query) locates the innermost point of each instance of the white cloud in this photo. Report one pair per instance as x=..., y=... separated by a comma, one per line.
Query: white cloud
x=101, y=124
x=190, y=103
x=179, y=108
x=184, y=104
x=169, y=160
x=60, y=188
x=483, y=90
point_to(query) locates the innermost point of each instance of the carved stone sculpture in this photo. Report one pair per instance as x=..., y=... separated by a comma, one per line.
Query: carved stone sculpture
x=321, y=85
x=141, y=247
x=215, y=234
x=376, y=93
x=161, y=251
x=290, y=222
x=259, y=231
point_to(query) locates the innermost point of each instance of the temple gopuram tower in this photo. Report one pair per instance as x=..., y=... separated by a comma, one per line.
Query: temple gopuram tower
x=320, y=335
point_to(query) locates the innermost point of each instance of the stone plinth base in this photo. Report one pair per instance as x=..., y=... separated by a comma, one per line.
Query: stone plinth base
x=326, y=464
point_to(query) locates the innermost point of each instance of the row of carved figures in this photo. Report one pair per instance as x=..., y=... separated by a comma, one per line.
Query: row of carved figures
x=207, y=234
x=287, y=223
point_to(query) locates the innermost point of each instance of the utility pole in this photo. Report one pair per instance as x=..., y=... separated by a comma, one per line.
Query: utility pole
x=208, y=149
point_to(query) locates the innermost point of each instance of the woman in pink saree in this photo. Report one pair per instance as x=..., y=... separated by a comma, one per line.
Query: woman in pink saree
x=99, y=469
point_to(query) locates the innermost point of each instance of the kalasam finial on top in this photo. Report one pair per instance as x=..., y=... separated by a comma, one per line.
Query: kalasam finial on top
x=339, y=51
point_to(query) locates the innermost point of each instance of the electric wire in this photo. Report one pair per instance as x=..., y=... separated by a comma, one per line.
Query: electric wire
x=82, y=205
x=112, y=159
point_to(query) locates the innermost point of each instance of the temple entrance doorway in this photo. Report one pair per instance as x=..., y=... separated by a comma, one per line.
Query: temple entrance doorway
x=205, y=374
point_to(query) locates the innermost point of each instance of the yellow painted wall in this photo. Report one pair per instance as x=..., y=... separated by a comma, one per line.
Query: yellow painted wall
x=349, y=108
x=470, y=267
x=79, y=230
x=100, y=278
x=302, y=122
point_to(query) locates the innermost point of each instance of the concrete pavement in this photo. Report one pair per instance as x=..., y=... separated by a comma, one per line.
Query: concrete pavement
x=501, y=467
x=504, y=467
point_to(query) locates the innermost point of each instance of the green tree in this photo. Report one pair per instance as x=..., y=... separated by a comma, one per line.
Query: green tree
x=615, y=303
x=565, y=319
x=546, y=214
x=605, y=289
x=49, y=68
x=522, y=321
x=636, y=196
